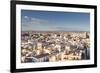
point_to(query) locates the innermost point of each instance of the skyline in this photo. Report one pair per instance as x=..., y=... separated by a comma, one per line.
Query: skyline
x=33, y=20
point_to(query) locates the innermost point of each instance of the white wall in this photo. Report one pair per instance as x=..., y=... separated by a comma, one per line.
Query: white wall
x=5, y=37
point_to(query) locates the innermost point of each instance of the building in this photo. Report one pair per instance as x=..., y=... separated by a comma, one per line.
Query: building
x=39, y=45
x=38, y=58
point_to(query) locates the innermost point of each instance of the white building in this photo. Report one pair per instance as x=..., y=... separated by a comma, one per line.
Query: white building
x=39, y=45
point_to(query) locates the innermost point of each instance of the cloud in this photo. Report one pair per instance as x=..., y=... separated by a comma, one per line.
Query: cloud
x=26, y=17
x=29, y=23
x=33, y=21
x=68, y=28
x=61, y=28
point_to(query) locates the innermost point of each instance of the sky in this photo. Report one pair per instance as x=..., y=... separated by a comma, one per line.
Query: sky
x=32, y=20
